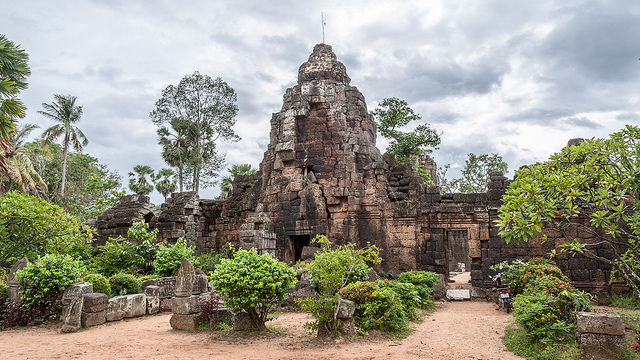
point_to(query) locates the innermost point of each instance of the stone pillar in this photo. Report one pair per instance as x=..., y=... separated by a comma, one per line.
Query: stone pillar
x=185, y=306
x=94, y=309
x=13, y=287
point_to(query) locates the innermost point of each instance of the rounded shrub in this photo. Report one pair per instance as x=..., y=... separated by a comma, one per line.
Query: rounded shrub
x=100, y=283
x=169, y=258
x=123, y=284
x=419, y=278
x=44, y=281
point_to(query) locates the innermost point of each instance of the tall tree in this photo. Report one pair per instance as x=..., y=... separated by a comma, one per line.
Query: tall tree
x=226, y=185
x=164, y=182
x=209, y=106
x=138, y=181
x=175, y=146
x=475, y=174
x=22, y=172
x=14, y=70
x=64, y=111
x=590, y=195
x=391, y=115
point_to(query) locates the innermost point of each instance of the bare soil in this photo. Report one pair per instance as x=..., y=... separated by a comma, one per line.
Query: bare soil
x=456, y=330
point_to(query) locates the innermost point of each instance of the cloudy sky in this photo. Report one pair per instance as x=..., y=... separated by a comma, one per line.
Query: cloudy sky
x=509, y=77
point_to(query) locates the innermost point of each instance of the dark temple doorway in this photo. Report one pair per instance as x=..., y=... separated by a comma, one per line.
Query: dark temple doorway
x=297, y=242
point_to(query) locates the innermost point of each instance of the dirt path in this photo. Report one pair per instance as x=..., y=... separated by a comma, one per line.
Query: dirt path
x=460, y=330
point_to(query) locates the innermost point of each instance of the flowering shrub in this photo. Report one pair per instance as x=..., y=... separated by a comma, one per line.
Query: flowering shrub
x=359, y=292
x=541, y=273
x=384, y=312
x=538, y=316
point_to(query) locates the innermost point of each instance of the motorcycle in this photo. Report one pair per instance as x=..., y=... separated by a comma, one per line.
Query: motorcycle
x=503, y=293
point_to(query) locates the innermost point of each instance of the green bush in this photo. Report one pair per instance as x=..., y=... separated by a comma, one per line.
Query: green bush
x=3, y=292
x=419, y=278
x=541, y=320
x=32, y=227
x=123, y=284
x=359, y=292
x=407, y=295
x=424, y=282
x=207, y=262
x=538, y=272
x=42, y=282
x=100, y=283
x=169, y=258
x=115, y=256
x=332, y=269
x=122, y=255
x=254, y=283
x=384, y=312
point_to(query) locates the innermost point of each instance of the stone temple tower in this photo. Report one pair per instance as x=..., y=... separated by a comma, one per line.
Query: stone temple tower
x=317, y=172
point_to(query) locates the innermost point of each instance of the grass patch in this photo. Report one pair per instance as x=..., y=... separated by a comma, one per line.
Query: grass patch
x=518, y=343
x=627, y=302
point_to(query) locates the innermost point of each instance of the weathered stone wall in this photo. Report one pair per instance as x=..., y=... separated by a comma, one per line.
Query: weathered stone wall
x=116, y=221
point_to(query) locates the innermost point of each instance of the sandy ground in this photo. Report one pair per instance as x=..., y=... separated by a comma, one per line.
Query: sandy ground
x=456, y=330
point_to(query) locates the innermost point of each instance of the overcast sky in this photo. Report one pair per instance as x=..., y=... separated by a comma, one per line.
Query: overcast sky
x=509, y=77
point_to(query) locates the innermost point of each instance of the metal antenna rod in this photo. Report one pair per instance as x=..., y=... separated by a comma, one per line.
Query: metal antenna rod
x=324, y=23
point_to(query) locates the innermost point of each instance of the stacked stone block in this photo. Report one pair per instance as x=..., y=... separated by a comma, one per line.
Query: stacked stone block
x=601, y=333
x=184, y=305
x=94, y=309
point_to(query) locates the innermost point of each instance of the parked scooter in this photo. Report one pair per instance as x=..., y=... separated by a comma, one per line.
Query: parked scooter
x=503, y=293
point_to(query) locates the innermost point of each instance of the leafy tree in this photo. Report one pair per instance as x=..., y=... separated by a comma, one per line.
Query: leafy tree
x=332, y=269
x=30, y=226
x=91, y=187
x=21, y=172
x=475, y=174
x=176, y=146
x=209, y=107
x=226, y=185
x=169, y=257
x=14, y=70
x=592, y=189
x=254, y=283
x=391, y=115
x=138, y=182
x=64, y=111
x=446, y=185
x=164, y=182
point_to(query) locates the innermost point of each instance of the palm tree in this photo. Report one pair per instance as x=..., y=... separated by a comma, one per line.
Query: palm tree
x=227, y=182
x=13, y=72
x=175, y=146
x=22, y=171
x=65, y=111
x=164, y=182
x=138, y=182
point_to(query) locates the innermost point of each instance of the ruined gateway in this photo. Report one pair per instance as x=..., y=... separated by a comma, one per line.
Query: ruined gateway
x=323, y=174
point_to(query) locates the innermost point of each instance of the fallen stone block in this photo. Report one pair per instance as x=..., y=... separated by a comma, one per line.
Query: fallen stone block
x=602, y=344
x=95, y=302
x=117, y=308
x=458, y=294
x=74, y=290
x=71, y=314
x=185, y=305
x=93, y=318
x=347, y=326
x=136, y=305
x=598, y=323
x=185, y=322
x=346, y=308
x=153, y=305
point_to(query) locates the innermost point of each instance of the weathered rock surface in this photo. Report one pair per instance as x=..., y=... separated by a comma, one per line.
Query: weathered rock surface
x=185, y=322
x=72, y=314
x=346, y=309
x=13, y=286
x=95, y=302
x=76, y=289
x=185, y=305
x=136, y=305
x=185, y=278
x=117, y=308
x=598, y=323
x=93, y=318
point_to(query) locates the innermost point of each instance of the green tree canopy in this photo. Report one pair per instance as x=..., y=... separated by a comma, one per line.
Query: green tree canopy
x=64, y=111
x=176, y=146
x=31, y=227
x=138, y=182
x=22, y=173
x=475, y=174
x=206, y=110
x=592, y=189
x=164, y=182
x=14, y=69
x=391, y=115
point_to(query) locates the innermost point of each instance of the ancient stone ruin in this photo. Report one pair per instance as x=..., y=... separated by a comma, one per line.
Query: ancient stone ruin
x=323, y=174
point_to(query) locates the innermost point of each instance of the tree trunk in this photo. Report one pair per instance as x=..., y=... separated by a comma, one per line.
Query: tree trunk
x=257, y=321
x=64, y=163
